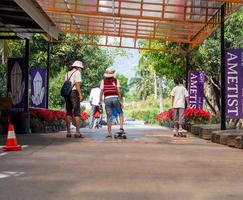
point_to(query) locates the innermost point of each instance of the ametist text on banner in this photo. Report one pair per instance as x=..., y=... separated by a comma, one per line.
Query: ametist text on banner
x=234, y=83
x=196, y=89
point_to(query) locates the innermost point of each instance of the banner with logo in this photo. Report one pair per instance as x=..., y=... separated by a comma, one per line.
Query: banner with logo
x=38, y=87
x=234, y=83
x=16, y=83
x=196, y=89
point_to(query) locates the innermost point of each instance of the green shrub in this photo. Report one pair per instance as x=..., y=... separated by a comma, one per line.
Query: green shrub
x=147, y=115
x=144, y=110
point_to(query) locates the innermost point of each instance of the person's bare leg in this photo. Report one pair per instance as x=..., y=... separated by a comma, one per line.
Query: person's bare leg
x=176, y=126
x=109, y=129
x=77, y=124
x=121, y=119
x=68, y=122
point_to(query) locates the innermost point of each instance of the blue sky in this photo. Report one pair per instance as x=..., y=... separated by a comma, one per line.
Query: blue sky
x=125, y=65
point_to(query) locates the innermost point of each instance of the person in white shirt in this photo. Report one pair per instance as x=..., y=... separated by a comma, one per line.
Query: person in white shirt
x=179, y=97
x=94, y=99
x=74, y=99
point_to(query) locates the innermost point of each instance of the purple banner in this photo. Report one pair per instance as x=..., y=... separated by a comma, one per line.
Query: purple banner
x=17, y=71
x=196, y=89
x=38, y=87
x=234, y=83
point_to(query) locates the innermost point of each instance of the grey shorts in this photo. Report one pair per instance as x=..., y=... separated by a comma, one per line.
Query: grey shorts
x=178, y=115
x=112, y=105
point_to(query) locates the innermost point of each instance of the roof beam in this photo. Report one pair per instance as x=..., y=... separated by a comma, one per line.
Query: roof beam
x=102, y=14
x=30, y=7
x=210, y=27
x=179, y=21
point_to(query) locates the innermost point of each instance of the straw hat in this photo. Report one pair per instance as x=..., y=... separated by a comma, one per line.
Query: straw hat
x=78, y=63
x=109, y=73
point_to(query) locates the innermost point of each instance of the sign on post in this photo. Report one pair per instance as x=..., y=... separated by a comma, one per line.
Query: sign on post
x=234, y=83
x=196, y=89
x=38, y=87
x=17, y=71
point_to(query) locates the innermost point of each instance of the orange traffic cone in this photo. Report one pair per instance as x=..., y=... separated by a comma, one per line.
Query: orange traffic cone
x=11, y=144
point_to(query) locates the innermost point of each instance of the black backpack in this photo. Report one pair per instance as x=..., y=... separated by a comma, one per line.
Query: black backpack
x=67, y=87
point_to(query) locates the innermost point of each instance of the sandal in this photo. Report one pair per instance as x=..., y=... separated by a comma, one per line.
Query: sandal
x=180, y=134
x=108, y=136
x=68, y=135
x=176, y=135
x=78, y=135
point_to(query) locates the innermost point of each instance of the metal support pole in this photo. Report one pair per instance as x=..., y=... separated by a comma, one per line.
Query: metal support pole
x=27, y=51
x=23, y=120
x=161, y=95
x=47, y=75
x=155, y=87
x=223, y=121
x=187, y=69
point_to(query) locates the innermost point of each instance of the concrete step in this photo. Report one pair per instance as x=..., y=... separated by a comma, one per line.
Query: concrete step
x=226, y=137
x=239, y=142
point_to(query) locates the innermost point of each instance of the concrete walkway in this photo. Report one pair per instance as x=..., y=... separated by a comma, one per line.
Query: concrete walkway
x=151, y=164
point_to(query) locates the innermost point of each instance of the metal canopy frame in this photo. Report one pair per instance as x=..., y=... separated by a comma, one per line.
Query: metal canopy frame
x=181, y=21
x=23, y=17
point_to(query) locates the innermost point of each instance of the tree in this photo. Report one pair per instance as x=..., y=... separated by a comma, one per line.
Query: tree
x=95, y=59
x=8, y=48
x=207, y=57
x=143, y=82
x=55, y=100
x=123, y=84
x=169, y=65
x=3, y=80
x=4, y=50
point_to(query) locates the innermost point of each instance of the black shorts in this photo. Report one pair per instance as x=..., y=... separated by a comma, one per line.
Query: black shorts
x=73, y=104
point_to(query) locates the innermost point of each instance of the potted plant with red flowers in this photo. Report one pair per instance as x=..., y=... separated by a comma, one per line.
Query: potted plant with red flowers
x=197, y=116
x=165, y=118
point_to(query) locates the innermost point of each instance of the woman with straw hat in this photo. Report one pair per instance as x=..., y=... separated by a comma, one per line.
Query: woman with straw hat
x=110, y=88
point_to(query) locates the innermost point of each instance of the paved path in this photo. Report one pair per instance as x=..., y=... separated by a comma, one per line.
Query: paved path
x=150, y=165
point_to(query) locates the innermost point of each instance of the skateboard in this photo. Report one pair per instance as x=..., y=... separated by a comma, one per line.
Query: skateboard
x=179, y=134
x=120, y=135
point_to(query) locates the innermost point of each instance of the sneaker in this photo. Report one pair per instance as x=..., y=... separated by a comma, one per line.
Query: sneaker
x=182, y=131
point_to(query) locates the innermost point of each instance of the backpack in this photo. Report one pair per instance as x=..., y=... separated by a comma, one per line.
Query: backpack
x=67, y=87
